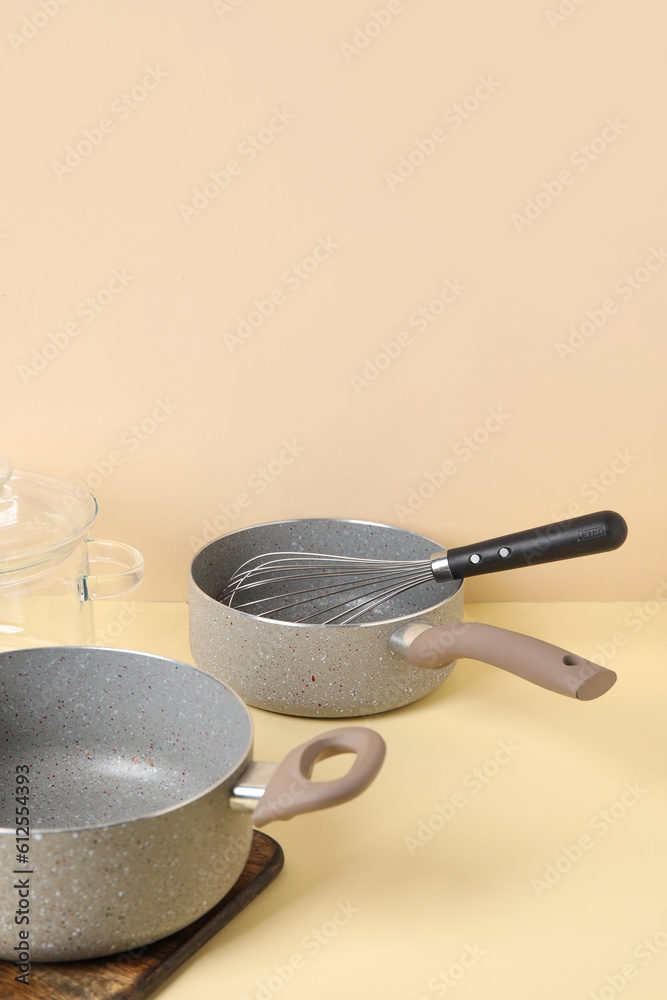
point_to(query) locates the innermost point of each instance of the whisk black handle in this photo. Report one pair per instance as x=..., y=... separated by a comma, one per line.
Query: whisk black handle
x=578, y=536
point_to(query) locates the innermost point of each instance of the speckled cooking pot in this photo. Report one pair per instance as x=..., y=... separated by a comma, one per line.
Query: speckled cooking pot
x=334, y=671
x=314, y=670
x=129, y=789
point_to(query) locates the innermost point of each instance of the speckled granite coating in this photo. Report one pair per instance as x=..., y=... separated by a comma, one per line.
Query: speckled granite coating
x=132, y=758
x=327, y=671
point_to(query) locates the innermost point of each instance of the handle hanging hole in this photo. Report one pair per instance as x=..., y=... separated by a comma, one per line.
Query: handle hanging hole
x=328, y=767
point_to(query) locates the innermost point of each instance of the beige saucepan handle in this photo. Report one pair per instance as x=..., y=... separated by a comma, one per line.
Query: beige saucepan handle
x=433, y=646
x=280, y=791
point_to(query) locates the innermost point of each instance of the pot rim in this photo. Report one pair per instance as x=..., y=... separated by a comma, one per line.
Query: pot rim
x=319, y=625
x=240, y=765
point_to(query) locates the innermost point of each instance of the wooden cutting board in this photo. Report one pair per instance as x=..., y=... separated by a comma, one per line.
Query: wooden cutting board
x=135, y=978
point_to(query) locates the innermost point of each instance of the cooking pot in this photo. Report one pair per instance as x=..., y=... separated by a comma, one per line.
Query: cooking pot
x=131, y=797
x=348, y=670
x=51, y=572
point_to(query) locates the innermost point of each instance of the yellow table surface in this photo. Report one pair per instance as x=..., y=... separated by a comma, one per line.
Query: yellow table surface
x=513, y=846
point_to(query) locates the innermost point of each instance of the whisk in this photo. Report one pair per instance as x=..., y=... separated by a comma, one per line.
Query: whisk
x=333, y=589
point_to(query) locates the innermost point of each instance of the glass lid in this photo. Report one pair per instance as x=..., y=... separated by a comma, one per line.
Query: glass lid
x=41, y=517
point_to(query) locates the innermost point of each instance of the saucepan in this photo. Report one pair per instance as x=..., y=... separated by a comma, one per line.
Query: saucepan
x=409, y=644
x=127, y=806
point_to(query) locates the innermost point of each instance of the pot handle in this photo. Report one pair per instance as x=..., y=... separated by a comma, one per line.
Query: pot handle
x=127, y=572
x=542, y=663
x=290, y=791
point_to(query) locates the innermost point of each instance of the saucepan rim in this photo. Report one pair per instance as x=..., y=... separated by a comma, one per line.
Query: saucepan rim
x=400, y=619
x=240, y=764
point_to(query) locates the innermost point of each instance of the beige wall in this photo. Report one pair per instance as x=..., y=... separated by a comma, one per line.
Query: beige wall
x=334, y=215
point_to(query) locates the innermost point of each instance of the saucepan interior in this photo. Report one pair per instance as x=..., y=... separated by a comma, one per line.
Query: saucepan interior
x=216, y=562
x=111, y=736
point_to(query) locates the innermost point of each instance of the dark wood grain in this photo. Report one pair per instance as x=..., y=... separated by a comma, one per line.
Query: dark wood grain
x=135, y=975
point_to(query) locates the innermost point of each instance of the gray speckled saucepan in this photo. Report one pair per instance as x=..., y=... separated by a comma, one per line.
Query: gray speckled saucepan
x=403, y=653
x=141, y=793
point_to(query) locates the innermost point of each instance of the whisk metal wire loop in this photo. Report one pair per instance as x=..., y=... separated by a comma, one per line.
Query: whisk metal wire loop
x=367, y=583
